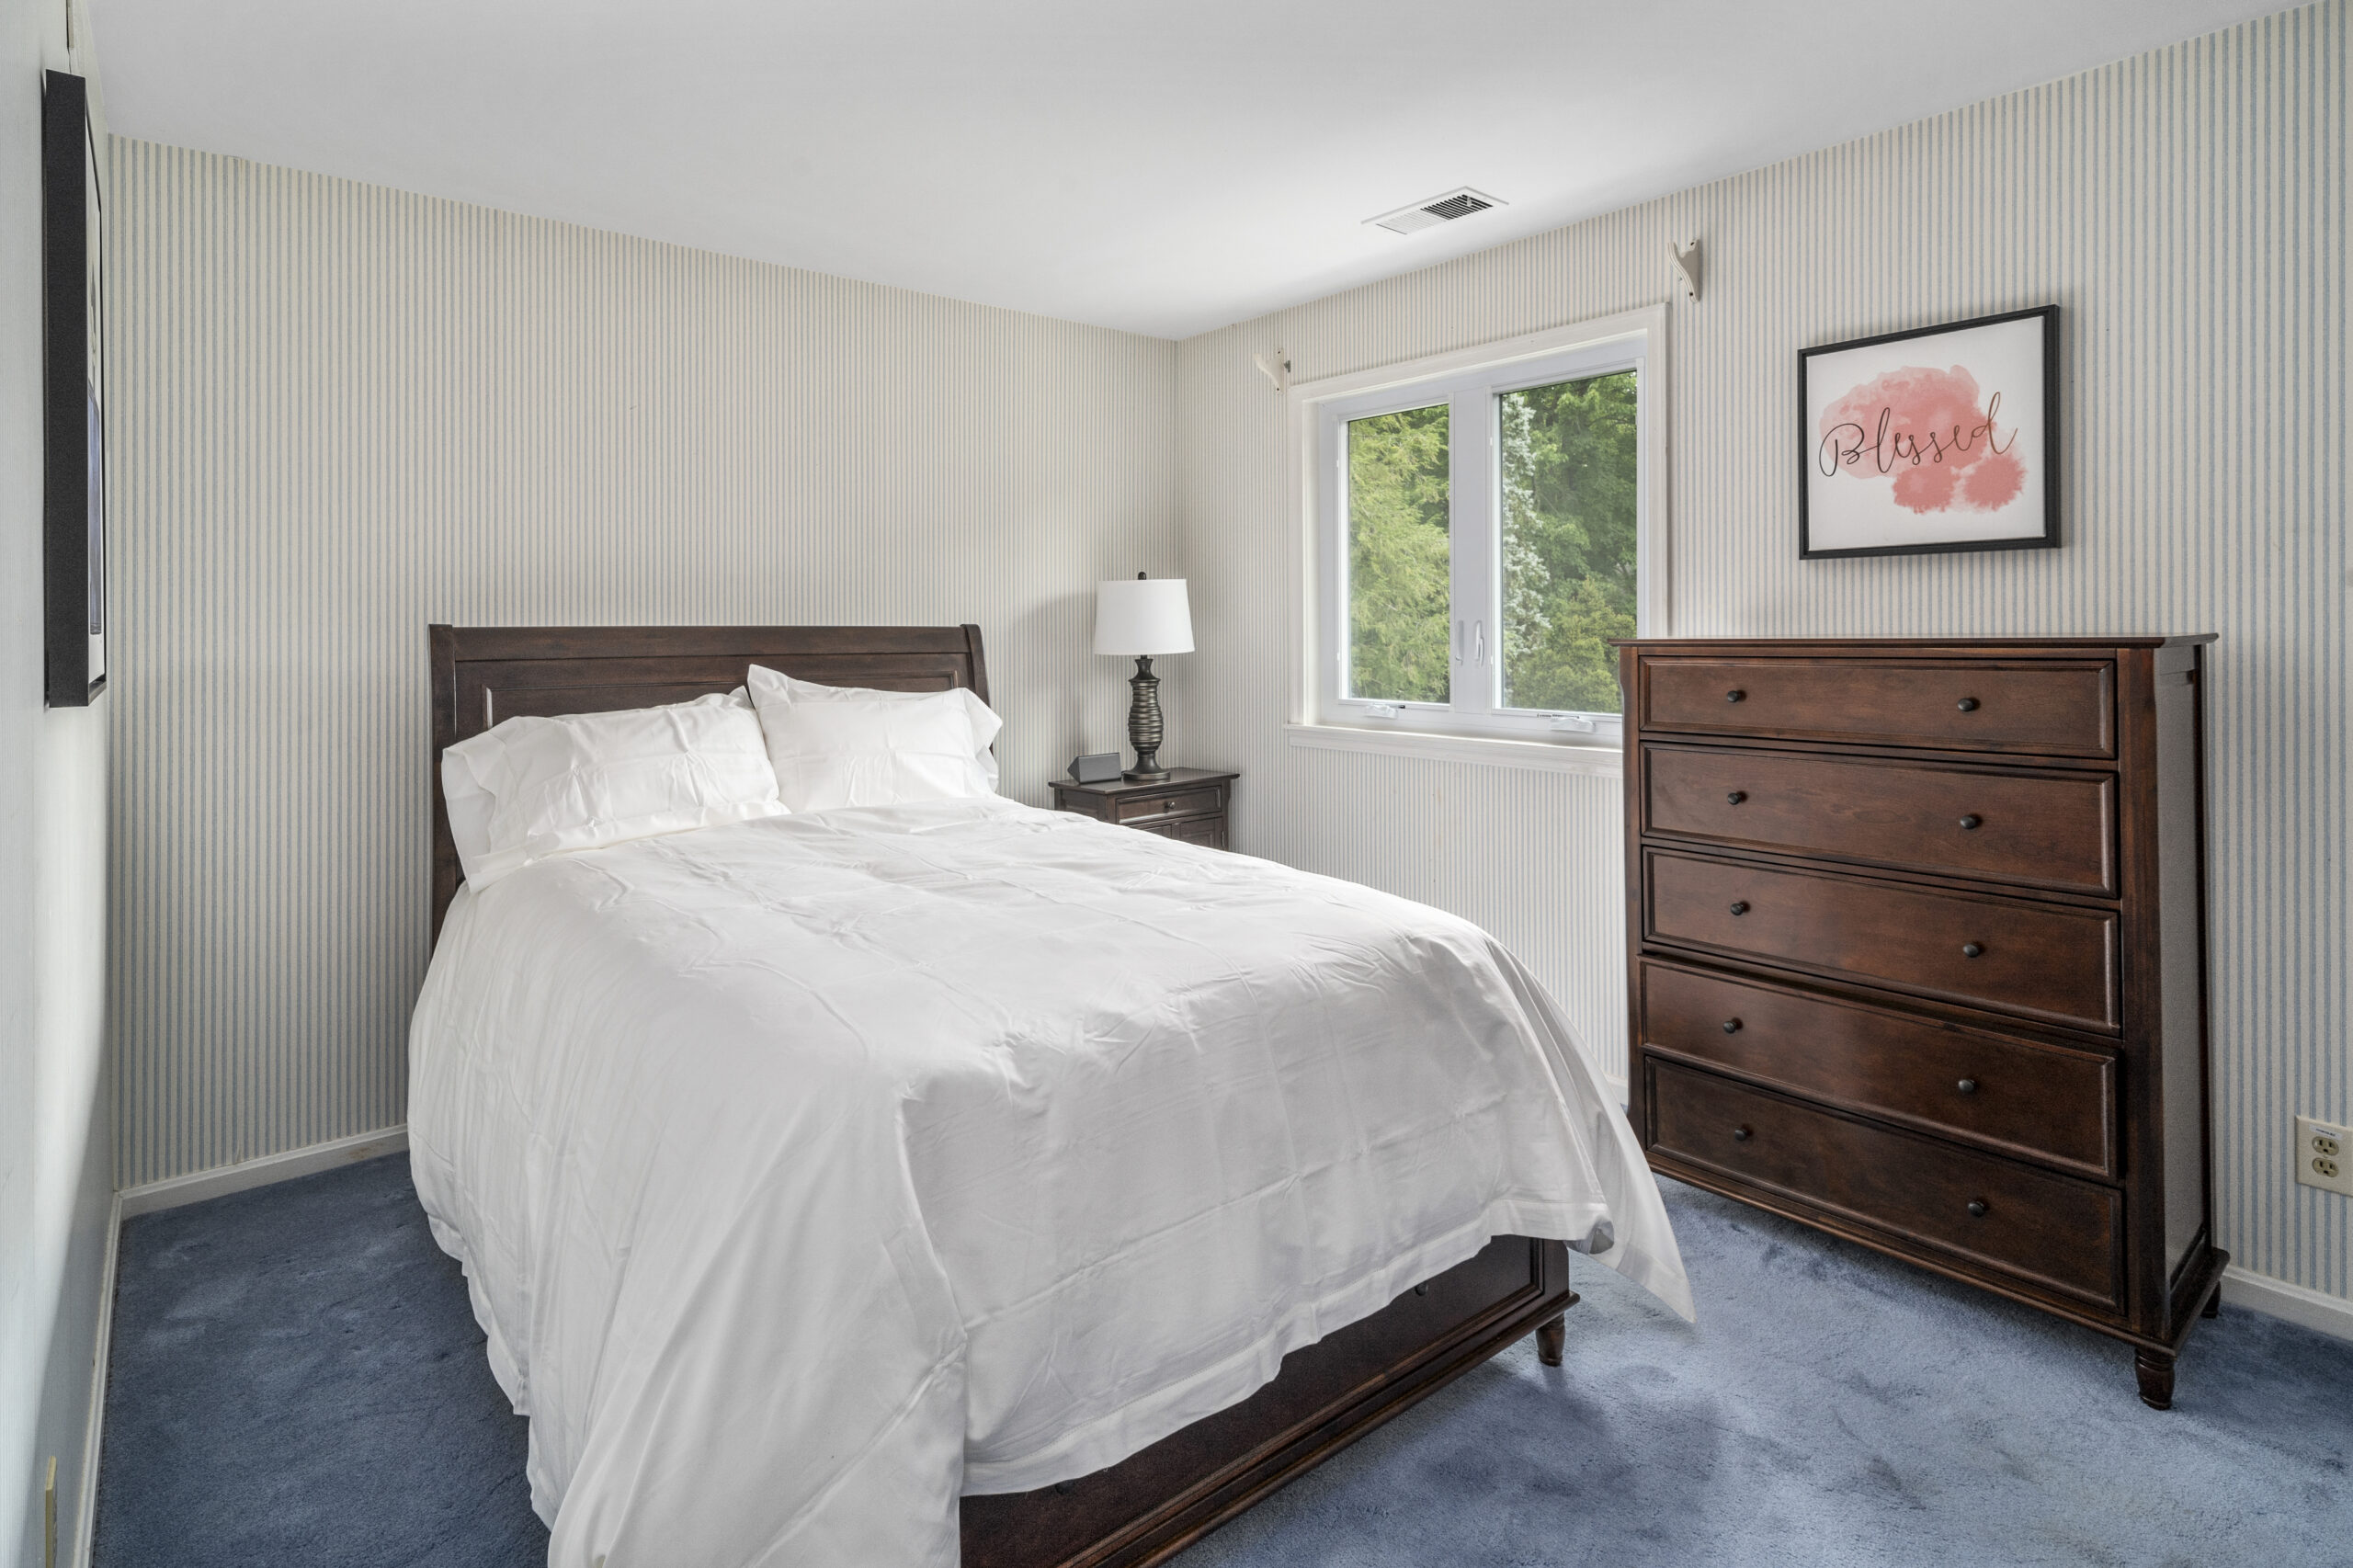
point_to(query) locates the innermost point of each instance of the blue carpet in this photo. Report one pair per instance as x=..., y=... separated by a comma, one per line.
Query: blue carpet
x=297, y=1379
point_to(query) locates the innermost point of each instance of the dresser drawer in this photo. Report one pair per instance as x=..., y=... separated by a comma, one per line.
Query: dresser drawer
x=2057, y=709
x=2050, y=1230
x=2037, y=961
x=2042, y=1101
x=2053, y=830
x=1146, y=807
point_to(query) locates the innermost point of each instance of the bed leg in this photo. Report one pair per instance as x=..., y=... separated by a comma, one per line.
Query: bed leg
x=1552, y=1340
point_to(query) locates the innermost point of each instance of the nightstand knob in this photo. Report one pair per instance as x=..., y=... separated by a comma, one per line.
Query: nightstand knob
x=1967, y=705
x=1972, y=822
x=1167, y=805
x=1736, y=696
x=1972, y=950
x=1732, y=1026
x=1741, y=1134
x=1740, y=906
x=1967, y=1085
x=1977, y=1208
x=1734, y=797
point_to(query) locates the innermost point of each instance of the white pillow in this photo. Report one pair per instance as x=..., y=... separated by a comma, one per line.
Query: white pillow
x=530, y=788
x=846, y=746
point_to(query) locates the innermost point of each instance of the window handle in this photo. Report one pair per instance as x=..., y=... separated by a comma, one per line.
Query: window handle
x=1478, y=642
x=1458, y=642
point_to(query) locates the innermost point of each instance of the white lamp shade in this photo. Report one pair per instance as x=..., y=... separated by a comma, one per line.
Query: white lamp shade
x=1143, y=615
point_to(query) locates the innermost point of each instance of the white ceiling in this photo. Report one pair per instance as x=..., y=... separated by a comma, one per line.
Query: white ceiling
x=1160, y=167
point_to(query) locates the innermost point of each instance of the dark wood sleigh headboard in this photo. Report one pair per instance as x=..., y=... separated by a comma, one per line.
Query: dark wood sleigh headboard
x=485, y=674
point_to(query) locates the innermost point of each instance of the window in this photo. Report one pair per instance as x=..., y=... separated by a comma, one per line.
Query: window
x=1483, y=526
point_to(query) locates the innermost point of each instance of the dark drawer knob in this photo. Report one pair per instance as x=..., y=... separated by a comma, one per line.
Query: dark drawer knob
x=1422, y=1288
x=1740, y=906
x=1735, y=695
x=1967, y=705
x=1732, y=1026
x=1972, y=822
x=1734, y=797
x=1977, y=1209
x=1967, y=1085
x=1741, y=1134
x=1972, y=950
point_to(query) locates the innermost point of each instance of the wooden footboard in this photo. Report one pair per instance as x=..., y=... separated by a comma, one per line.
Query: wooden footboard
x=1155, y=1503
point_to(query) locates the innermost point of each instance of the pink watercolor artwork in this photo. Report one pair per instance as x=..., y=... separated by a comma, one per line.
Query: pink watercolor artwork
x=1934, y=432
x=1942, y=438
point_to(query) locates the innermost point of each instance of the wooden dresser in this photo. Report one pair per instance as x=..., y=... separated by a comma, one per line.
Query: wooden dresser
x=1918, y=956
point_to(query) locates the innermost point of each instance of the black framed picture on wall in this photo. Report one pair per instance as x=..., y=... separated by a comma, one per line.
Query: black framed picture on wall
x=73, y=499
x=1940, y=440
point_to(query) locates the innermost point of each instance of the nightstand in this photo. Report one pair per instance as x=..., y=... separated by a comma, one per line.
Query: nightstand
x=1189, y=804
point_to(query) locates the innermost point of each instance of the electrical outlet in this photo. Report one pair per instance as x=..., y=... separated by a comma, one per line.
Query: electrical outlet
x=2323, y=1156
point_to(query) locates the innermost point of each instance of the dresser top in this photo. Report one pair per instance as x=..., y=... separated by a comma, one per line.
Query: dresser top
x=1913, y=644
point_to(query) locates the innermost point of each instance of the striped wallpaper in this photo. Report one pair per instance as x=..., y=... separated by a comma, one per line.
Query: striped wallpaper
x=2188, y=209
x=342, y=412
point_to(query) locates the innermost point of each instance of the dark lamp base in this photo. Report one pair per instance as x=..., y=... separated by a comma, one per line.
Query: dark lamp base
x=1143, y=724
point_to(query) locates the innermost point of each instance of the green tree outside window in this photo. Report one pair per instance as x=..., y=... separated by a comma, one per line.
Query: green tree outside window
x=1569, y=457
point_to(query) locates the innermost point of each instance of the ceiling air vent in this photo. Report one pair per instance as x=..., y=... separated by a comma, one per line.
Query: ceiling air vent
x=1442, y=209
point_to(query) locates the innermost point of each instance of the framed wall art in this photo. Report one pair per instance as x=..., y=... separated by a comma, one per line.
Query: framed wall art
x=1919, y=443
x=74, y=503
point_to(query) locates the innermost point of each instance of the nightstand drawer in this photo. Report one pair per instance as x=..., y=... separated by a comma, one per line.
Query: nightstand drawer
x=1146, y=807
x=1207, y=831
x=2042, y=1101
x=2053, y=830
x=2040, y=961
x=2052, y=1230
x=2061, y=710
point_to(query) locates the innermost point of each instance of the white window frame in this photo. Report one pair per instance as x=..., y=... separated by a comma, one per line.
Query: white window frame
x=1472, y=726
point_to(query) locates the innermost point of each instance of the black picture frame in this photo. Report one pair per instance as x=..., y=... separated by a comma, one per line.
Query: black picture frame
x=1810, y=443
x=73, y=499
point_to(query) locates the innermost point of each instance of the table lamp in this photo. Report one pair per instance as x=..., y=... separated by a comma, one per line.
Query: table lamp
x=1143, y=618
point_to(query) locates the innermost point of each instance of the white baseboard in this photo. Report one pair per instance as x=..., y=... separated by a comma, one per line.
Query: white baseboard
x=85, y=1527
x=222, y=1180
x=2332, y=1315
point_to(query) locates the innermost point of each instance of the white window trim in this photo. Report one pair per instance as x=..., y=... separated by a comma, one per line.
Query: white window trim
x=1320, y=718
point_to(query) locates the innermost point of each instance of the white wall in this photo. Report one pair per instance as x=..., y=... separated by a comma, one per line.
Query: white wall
x=2187, y=211
x=343, y=411
x=54, y=1169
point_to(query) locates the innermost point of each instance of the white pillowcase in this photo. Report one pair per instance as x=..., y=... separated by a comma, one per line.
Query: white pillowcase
x=846, y=746
x=530, y=788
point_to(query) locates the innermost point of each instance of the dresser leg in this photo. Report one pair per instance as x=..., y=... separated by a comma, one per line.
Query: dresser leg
x=2213, y=1307
x=2154, y=1369
x=1552, y=1341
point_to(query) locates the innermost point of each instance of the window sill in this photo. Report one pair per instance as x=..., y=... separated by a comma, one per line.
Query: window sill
x=1544, y=757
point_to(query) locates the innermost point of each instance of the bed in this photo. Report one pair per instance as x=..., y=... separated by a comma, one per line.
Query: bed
x=1380, y=1340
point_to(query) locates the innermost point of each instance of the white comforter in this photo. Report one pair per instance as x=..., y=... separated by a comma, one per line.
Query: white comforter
x=810, y=1172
